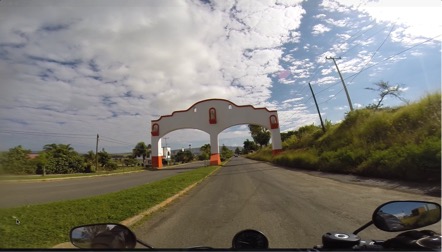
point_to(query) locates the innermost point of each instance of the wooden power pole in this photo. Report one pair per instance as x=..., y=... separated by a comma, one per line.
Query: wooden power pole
x=317, y=107
x=96, y=155
x=342, y=79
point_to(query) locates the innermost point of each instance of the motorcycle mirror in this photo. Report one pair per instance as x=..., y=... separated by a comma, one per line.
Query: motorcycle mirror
x=395, y=216
x=103, y=236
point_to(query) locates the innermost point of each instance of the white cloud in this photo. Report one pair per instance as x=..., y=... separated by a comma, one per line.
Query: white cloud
x=96, y=64
x=103, y=66
x=419, y=18
x=293, y=100
x=320, y=29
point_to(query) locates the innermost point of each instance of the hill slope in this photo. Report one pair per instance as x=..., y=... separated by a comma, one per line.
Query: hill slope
x=401, y=143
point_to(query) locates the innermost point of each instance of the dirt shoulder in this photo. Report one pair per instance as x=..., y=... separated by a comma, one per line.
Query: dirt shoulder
x=425, y=188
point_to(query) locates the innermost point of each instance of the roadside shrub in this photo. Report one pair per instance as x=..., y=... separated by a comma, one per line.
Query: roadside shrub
x=343, y=160
x=410, y=162
x=16, y=161
x=203, y=156
x=378, y=129
x=264, y=154
x=111, y=166
x=402, y=142
x=89, y=168
x=299, y=159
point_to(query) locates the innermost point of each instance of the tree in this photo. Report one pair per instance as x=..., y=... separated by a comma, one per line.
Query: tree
x=205, y=152
x=237, y=151
x=103, y=158
x=89, y=160
x=141, y=150
x=385, y=89
x=16, y=161
x=226, y=153
x=259, y=134
x=60, y=159
x=286, y=135
x=183, y=156
x=249, y=146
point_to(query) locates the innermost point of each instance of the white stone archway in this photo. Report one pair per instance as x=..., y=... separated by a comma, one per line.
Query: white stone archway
x=213, y=116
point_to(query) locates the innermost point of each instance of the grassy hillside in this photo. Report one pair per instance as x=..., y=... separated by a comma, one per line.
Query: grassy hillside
x=402, y=143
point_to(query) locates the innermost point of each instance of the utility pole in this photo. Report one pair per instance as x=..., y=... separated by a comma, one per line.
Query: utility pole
x=96, y=155
x=342, y=79
x=317, y=107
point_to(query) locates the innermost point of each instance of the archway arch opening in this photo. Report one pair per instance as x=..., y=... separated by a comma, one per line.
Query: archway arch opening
x=213, y=116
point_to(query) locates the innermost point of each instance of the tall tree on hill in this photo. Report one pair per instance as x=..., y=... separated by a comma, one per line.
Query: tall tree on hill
x=259, y=134
x=385, y=89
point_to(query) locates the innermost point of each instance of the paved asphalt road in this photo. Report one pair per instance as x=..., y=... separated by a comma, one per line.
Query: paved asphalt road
x=37, y=192
x=292, y=208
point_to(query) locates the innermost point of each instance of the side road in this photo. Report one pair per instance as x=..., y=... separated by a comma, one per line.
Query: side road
x=39, y=192
x=40, y=178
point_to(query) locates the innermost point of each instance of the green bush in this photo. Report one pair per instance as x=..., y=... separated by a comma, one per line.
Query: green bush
x=203, y=156
x=264, y=154
x=400, y=143
x=299, y=159
x=343, y=160
x=377, y=129
x=111, y=165
x=16, y=161
x=410, y=162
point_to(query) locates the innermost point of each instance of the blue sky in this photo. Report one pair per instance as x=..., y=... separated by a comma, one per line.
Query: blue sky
x=73, y=69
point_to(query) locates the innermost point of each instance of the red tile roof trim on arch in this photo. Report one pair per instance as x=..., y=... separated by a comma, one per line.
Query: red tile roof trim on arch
x=227, y=101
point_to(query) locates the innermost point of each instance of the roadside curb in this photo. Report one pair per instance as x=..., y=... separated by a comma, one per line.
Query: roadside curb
x=134, y=219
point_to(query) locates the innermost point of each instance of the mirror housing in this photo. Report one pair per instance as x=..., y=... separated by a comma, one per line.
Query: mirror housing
x=103, y=236
x=396, y=216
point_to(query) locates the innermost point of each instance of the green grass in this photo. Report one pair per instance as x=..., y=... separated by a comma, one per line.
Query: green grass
x=400, y=143
x=43, y=226
x=52, y=176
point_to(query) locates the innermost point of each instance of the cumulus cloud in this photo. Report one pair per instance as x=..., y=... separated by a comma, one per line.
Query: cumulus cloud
x=95, y=65
x=320, y=29
x=109, y=67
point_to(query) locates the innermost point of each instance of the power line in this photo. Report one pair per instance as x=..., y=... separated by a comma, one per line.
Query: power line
x=108, y=141
x=394, y=55
x=43, y=133
x=377, y=50
x=332, y=96
x=64, y=135
x=115, y=140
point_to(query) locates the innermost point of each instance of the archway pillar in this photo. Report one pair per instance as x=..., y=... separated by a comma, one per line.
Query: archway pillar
x=215, y=158
x=276, y=141
x=157, y=155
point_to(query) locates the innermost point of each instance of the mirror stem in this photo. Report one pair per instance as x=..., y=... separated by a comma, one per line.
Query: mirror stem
x=144, y=244
x=363, y=227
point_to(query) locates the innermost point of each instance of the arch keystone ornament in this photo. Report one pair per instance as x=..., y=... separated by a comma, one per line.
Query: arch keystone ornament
x=213, y=116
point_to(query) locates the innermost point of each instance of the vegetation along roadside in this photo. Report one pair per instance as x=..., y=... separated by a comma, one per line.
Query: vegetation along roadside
x=394, y=143
x=42, y=226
